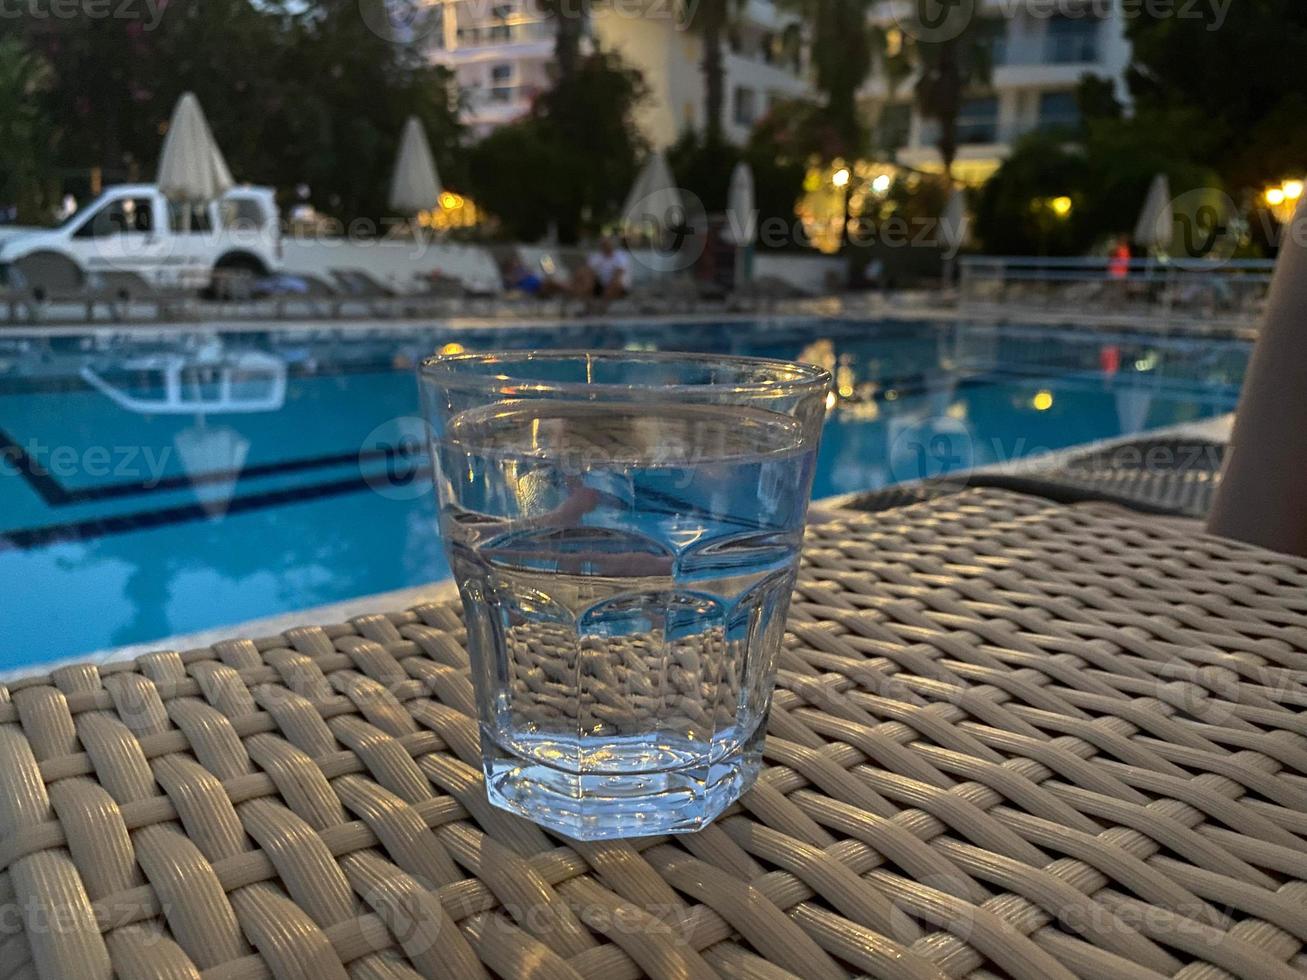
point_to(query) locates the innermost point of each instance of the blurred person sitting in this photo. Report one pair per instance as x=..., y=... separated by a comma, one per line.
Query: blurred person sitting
x=520, y=279
x=606, y=276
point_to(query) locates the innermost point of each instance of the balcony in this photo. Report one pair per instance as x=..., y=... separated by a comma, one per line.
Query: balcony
x=1071, y=49
x=496, y=34
x=1054, y=48
x=498, y=95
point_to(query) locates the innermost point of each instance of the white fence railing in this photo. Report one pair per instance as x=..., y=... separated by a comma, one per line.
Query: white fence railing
x=1166, y=291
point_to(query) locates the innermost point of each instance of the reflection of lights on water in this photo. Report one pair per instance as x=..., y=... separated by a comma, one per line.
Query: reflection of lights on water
x=1147, y=362
x=844, y=378
x=1042, y=401
x=450, y=349
x=862, y=411
x=819, y=352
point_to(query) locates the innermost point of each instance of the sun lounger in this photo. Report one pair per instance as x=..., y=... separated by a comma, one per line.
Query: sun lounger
x=120, y=291
x=317, y=298
x=1172, y=477
x=45, y=279
x=357, y=285
x=385, y=300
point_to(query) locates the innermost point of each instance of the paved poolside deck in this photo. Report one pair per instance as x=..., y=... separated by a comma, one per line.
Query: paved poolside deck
x=913, y=305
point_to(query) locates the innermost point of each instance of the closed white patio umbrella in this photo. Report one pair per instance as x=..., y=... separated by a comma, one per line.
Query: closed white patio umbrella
x=741, y=209
x=955, y=222
x=191, y=167
x=742, y=220
x=1156, y=224
x=415, y=185
x=654, y=203
x=954, y=231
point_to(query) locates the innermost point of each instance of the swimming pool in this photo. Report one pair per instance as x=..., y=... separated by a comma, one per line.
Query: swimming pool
x=155, y=485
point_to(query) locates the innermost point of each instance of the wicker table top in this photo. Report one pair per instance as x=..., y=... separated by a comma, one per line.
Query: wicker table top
x=1010, y=738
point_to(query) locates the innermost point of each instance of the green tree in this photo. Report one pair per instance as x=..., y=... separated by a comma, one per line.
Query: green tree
x=1237, y=75
x=295, y=90
x=1013, y=216
x=705, y=170
x=1106, y=175
x=579, y=149
x=24, y=134
x=571, y=18
x=713, y=21
x=348, y=91
x=842, y=55
x=497, y=165
x=703, y=165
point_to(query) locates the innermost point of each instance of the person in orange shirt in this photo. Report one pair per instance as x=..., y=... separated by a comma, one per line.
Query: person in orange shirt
x=1119, y=266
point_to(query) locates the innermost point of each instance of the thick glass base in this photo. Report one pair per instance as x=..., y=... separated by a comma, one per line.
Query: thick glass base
x=674, y=793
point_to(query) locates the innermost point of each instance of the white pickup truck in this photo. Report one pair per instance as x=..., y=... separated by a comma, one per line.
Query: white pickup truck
x=135, y=228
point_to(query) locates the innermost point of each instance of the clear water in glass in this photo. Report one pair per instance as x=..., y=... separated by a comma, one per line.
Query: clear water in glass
x=626, y=570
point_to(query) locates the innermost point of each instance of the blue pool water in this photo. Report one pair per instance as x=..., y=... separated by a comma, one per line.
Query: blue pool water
x=282, y=470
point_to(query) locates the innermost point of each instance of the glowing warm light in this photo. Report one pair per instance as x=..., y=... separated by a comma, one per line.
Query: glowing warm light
x=846, y=391
x=450, y=349
x=831, y=401
x=1275, y=197
x=841, y=177
x=1042, y=401
x=863, y=411
x=958, y=410
x=881, y=184
x=1292, y=189
x=451, y=211
x=1061, y=206
x=891, y=395
x=844, y=376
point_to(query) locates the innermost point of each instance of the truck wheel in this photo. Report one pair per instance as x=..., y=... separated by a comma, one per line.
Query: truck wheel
x=234, y=275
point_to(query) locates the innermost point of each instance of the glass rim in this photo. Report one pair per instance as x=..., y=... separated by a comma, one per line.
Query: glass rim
x=792, y=377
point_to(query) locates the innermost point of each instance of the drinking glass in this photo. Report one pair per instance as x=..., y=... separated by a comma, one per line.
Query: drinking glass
x=624, y=529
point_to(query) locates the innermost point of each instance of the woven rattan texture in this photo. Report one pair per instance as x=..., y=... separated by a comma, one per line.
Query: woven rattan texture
x=1170, y=476
x=1009, y=739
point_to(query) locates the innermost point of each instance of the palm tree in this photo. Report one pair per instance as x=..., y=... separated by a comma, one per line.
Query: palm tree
x=24, y=130
x=570, y=19
x=950, y=62
x=710, y=19
x=843, y=52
